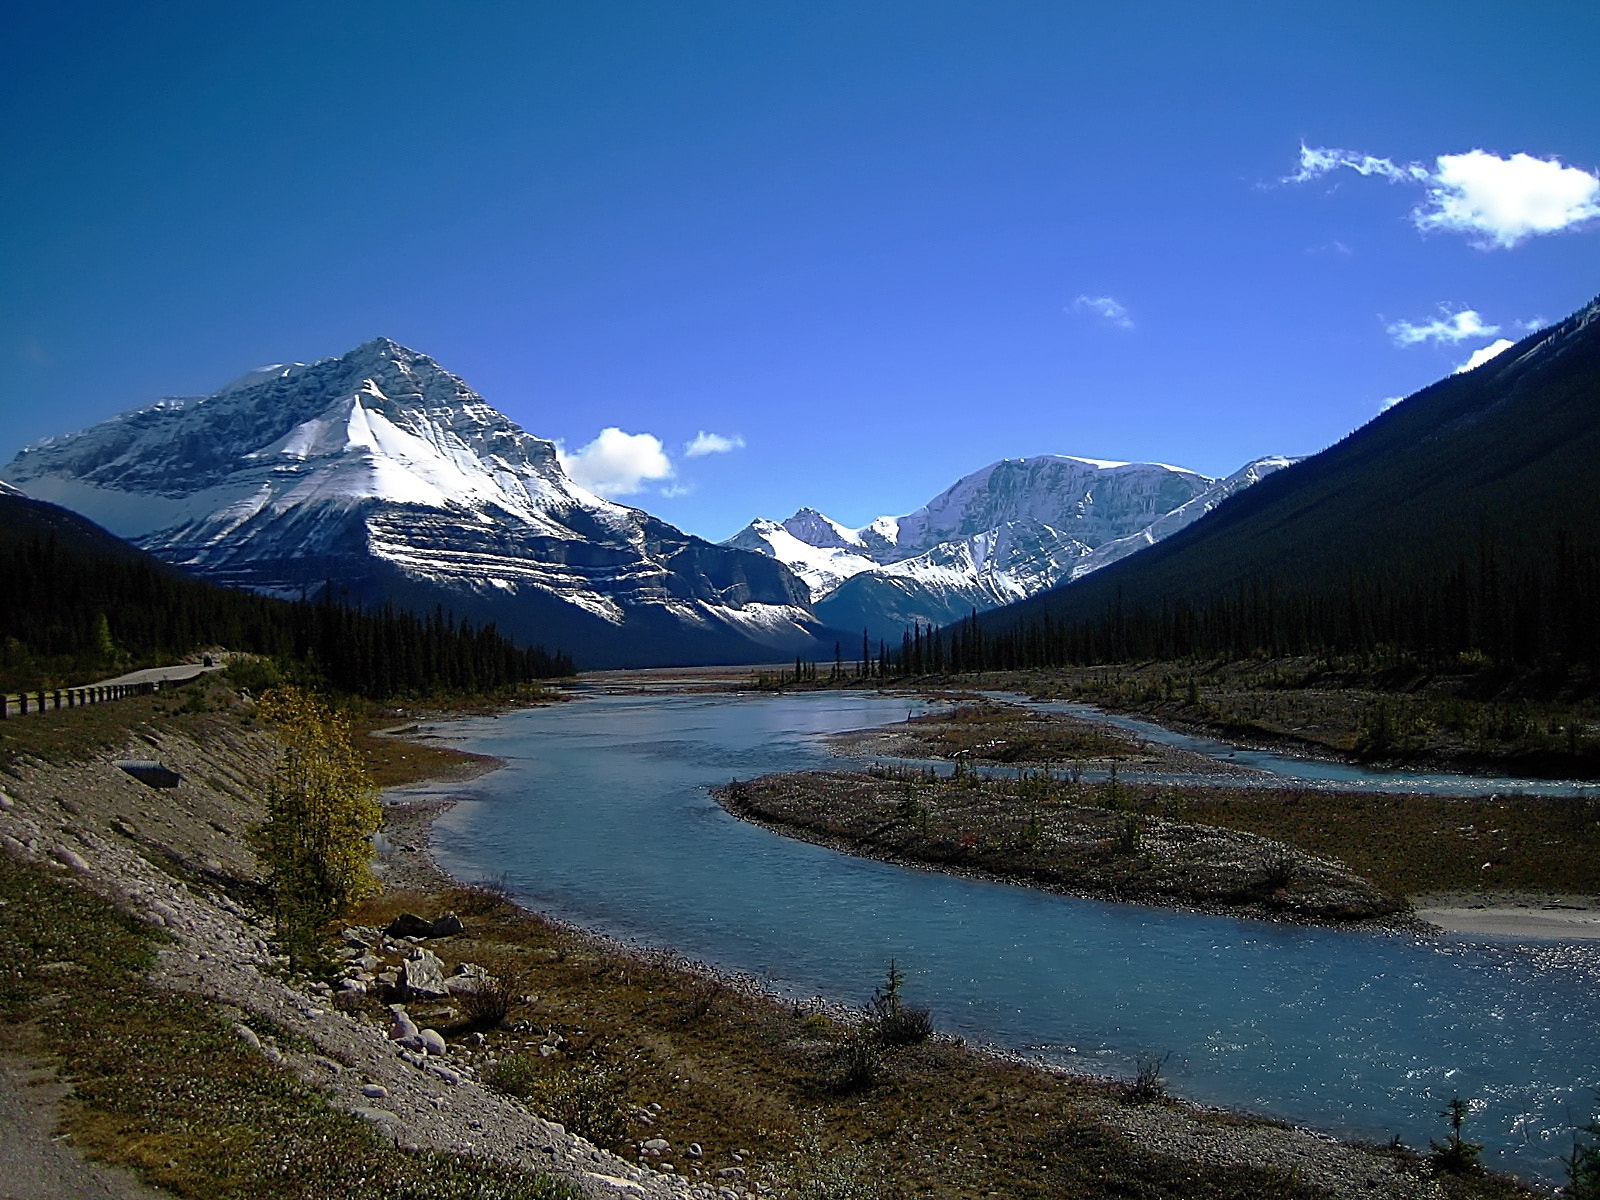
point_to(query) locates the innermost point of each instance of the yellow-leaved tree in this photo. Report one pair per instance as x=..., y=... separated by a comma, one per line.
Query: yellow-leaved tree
x=322, y=811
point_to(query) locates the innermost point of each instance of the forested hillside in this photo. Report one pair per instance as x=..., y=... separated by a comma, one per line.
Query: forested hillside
x=79, y=603
x=1463, y=524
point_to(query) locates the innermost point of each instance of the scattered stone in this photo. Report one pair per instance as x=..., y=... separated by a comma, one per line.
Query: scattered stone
x=731, y=1173
x=360, y=937
x=410, y=925
x=431, y=1041
x=70, y=859
x=124, y=828
x=149, y=772
x=384, y=1120
x=422, y=974
x=374, y=1091
x=248, y=1035
x=404, y=1028
x=694, y=1150
x=452, y=1077
x=657, y=1144
x=447, y=925
x=6, y=802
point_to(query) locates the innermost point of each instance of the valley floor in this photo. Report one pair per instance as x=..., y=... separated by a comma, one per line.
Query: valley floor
x=663, y=1061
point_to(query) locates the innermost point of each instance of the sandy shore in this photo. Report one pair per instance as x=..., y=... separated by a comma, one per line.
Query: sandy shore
x=1512, y=916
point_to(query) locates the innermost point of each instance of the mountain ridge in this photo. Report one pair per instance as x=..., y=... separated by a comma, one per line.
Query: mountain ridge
x=1463, y=520
x=1007, y=531
x=381, y=474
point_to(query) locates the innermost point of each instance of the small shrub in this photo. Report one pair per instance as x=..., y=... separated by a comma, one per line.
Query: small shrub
x=855, y=1064
x=589, y=1098
x=489, y=1004
x=1453, y=1154
x=1129, y=836
x=1148, y=1083
x=1583, y=1165
x=1278, y=870
x=892, y=1021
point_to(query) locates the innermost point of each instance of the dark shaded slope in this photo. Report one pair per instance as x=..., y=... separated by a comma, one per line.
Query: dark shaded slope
x=80, y=603
x=1465, y=518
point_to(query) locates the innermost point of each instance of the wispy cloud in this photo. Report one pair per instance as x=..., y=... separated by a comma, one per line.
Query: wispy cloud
x=1317, y=161
x=1483, y=354
x=704, y=443
x=1389, y=402
x=1449, y=327
x=1113, y=312
x=617, y=463
x=1494, y=201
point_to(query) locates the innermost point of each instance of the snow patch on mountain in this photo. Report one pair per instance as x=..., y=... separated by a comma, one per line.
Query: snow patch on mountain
x=378, y=466
x=1008, y=531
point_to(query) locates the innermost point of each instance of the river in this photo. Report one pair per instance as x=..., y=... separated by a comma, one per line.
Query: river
x=602, y=817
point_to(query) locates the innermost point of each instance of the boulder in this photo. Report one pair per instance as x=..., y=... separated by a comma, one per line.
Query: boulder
x=404, y=1028
x=422, y=974
x=431, y=1041
x=447, y=925
x=410, y=925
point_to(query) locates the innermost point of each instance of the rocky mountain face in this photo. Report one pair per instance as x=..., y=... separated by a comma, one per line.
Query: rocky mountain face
x=1012, y=530
x=383, y=476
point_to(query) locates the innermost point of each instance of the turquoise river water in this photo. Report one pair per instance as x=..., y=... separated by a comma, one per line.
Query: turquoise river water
x=602, y=817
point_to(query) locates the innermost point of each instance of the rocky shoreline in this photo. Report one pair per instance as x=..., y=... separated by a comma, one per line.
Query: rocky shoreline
x=1184, y=1130
x=88, y=821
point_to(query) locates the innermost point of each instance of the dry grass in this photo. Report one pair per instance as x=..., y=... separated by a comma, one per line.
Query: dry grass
x=740, y=1073
x=1414, y=844
x=1005, y=734
x=163, y=1085
x=1081, y=839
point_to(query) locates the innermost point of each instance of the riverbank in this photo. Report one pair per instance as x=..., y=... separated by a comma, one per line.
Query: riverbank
x=1510, y=867
x=649, y=1049
x=753, y=1080
x=1467, y=723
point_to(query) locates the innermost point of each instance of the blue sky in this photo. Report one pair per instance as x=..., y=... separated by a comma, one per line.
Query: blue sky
x=864, y=247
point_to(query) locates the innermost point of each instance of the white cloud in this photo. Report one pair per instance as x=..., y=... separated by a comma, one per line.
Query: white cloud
x=1495, y=201
x=1449, y=327
x=617, y=463
x=1389, y=402
x=1317, y=161
x=1507, y=200
x=1105, y=308
x=1483, y=354
x=704, y=443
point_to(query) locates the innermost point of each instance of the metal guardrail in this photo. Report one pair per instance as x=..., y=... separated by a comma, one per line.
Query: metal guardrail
x=21, y=704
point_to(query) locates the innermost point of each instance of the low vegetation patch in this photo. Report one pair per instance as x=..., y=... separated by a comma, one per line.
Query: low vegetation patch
x=1377, y=708
x=1003, y=733
x=164, y=1085
x=1079, y=838
x=812, y=1102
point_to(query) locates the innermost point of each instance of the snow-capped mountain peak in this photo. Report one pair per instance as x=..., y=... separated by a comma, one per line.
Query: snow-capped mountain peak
x=382, y=471
x=1002, y=533
x=814, y=529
